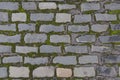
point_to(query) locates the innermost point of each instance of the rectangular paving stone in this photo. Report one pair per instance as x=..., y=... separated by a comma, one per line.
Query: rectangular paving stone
x=47, y=5
x=26, y=27
x=115, y=26
x=90, y=6
x=12, y=59
x=76, y=49
x=105, y=17
x=93, y=0
x=60, y=38
x=113, y=6
x=82, y=18
x=3, y=72
x=56, y=0
x=29, y=5
x=5, y=49
x=66, y=60
x=9, y=5
x=10, y=39
x=50, y=49
x=8, y=27
x=35, y=38
x=26, y=49
x=36, y=60
x=51, y=28
x=66, y=6
x=3, y=16
x=42, y=17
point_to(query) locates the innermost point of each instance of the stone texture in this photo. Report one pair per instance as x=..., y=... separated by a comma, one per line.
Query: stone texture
x=47, y=5
x=12, y=59
x=93, y=0
x=8, y=27
x=19, y=17
x=45, y=71
x=18, y=72
x=29, y=5
x=66, y=60
x=76, y=49
x=64, y=72
x=66, y=6
x=50, y=49
x=82, y=18
x=5, y=49
x=3, y=72
x=63, y=17
x=84, y=72
x=113, y=6
x=115, y=26
x=51, y=28
x=78, y=28
x=35, y=38
x=3, y=16
x=60, y=38
x=42, y=16
x=26, y=49
x=88, y=59
x=36, y=60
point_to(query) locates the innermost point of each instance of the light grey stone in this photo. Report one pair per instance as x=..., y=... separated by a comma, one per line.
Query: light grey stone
x=12, y=59
x=35, y=38
x=3, y=72
x=82, y=18
x=42, y=16
x=105, y=17
x=115, y=26
x=99, y=27
x=90, y=6
x=5, y=49
x=8, y=27
x=51, y=28
x=10, y=39
x=84, y=72
x=112, y=6
x=78, y=28
x=47, y=5
x=26, y=49
x=26, y=27
x=66, y=6
x=56, y=0
x=36, y=60
x=60, y=38
x=86, y=38
x=19, y=17
x=76, y=49
x=66, y=60
x=92, y=0
x=88, y=59
x=45, y=71
x=3, y=16
x=29, y=5
x=9, y=5
x=50, y=49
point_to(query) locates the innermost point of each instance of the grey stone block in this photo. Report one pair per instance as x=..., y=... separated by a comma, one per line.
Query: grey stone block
x=115, y=26
x=66, y=6
x=3, y=72
x=5, y=49
x=113, y=6
x=3, y=16
x=19, y=17
x=8, y=27
x=29, y=5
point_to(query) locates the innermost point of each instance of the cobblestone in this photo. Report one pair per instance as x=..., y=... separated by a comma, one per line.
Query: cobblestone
x=47, y=5
x=29, y=5
x=66, y=6
x=5, y=49
x=3, y=16
x=3, y=72
x=113, y=6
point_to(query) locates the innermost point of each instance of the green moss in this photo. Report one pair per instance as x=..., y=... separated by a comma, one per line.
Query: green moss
x=116, y=32
x=115, y=22
x=89, y=12
x=114, y=12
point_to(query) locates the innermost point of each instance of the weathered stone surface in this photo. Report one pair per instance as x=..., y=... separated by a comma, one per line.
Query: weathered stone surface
x=56, y=0
x=12, y=59
x=76, y=49
x=88, y=59
x=3, y=72
x=86, y=38
x=78, y=28
x=60, y=38
x=51, y=28
x=63, y=17
x=5, y=49
x=36, y=60
x=90, y=6
x=10, y=39
x=26, y=49
x=93, y=0
x=8, y=27
x=84, y=72
x=47, y=5
x=115, y=26
x=66, y=60
x=9, y=5
x=35, y=38
x=64, y=72
x=29, y=5
x=99, y=27
x=50, y=49
x=113, y=6
x=3, y=16
x=19, y=17
x=66, y=6
x=82, y=18
x=42, y=16
x=18, y=72
x=26, y=27
x=105, y=17
x=45, y=71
